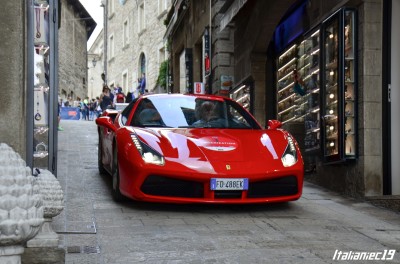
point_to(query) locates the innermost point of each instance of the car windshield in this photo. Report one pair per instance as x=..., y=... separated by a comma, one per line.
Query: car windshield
x=192, y=112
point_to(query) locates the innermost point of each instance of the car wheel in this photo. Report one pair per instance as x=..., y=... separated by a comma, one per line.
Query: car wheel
x=99, y=157
x=116, y=194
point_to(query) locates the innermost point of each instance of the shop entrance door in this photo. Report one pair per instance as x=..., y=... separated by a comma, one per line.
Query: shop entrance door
x=395, y=99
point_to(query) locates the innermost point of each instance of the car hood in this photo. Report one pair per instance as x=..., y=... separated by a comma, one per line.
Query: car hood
x=216, y=145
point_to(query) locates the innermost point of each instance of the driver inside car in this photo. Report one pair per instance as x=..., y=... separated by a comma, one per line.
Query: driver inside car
x=149, y=115
x=208, y=116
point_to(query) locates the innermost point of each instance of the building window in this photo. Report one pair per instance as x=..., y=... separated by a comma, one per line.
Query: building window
x=111, y=47
x=125, y=87
x=125, y=33
x=141, y=17
x=111, y=8
x=182, y=73
x=101, y=50
x=142, y=63
x=161, y=55
x=162, y=6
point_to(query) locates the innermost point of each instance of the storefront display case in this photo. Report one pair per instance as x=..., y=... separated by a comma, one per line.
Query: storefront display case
x=339, y=93
x=286, y=97
x=42, y=85
x=309, y=72
x=300, y=103
x=243, y=94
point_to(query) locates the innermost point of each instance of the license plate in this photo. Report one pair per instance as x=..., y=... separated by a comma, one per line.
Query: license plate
x=227, y=184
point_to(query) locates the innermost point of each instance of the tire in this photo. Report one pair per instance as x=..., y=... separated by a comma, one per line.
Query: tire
x=116, y=194
x=102, y=171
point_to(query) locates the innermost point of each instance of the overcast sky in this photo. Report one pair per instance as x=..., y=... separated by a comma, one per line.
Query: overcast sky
x=96, y=12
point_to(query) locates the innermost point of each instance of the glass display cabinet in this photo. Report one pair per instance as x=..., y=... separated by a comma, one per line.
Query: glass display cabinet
x=42, y=96
x=309, y=69
x=339, y=87
x=301, y=104
x=287, y=100
x=243, y=95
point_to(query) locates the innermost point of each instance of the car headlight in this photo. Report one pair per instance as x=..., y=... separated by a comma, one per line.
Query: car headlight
x=289, y=157
x=148, y=154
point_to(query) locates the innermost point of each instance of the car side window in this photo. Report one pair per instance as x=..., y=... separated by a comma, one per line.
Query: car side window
x=126, y=112
x=146, y=115
x=236, y=119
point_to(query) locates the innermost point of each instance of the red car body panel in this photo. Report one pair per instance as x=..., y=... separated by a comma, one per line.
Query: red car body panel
x=195, y=155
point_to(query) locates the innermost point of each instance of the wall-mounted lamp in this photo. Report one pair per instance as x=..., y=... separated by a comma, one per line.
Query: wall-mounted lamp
x=94, y=61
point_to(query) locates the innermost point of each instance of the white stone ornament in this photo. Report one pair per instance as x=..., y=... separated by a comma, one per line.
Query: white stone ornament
x=53, y=203
x=21, y=210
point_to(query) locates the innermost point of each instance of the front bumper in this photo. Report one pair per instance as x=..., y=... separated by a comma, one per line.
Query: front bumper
x=173, y=187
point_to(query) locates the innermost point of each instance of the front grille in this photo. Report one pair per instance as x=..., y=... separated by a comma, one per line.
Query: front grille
x=227, y=194
x=165, y=186
x=276, y=187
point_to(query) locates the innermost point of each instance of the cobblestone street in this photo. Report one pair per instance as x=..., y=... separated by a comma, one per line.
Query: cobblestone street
x=95, y=229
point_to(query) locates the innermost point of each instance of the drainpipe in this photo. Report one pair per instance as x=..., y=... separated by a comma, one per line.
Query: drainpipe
x=105, y=49
x=211, y=56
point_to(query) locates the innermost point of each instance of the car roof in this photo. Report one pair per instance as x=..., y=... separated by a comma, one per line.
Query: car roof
x=203, y=96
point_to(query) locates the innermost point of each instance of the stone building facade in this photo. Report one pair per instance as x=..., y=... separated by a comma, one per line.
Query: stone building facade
x=16, y=122
x=76, y=28
x=96, y=66
x=135, y=45
x=13, y=75
x=242, y=33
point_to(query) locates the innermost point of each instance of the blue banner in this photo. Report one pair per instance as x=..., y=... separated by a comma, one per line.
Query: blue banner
x=70, y=113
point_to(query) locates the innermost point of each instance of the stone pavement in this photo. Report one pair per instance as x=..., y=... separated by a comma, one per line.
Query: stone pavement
x=95, y=229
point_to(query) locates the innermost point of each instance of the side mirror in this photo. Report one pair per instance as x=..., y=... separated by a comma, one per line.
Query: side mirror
x=274, y=124
x=105, y=121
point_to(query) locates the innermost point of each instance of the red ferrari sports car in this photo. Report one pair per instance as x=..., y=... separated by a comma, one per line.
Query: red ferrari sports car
x=197, y=149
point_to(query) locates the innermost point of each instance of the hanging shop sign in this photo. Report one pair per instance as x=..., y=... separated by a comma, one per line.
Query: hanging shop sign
x=199, y=88
x=206, y=55
x=226, y=84
x=189, y=70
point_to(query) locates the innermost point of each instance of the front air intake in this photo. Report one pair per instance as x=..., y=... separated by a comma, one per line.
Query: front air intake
x=171, y=187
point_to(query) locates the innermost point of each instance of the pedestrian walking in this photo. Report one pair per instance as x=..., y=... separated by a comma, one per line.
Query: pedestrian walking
x=86, y=109
x=92, y=108
x=142, y=84
x=59, y=116
x=97, y=107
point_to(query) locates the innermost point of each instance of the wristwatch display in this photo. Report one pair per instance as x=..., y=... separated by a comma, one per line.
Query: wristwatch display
x=339, y=87
x=298, y=87
x=41, y=23
x=309, y=67
x=41, y=83
x=287, y=103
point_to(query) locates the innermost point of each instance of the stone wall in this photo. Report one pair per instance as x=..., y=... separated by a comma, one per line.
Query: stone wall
x=72, y=39
x=95, y=82
x=149, y=41
x=13, y=76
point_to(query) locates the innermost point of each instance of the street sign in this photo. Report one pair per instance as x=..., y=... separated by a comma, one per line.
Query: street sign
x=199, y=88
